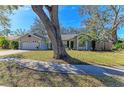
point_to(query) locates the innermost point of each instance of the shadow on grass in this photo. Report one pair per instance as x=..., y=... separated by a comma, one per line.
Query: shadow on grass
x=68, y=60
x=72, y=60
x=17, y=76
x=26, y=77
x=109, y=81
x=22, y=77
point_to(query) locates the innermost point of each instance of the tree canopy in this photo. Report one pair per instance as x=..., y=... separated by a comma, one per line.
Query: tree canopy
x=103, y=18
x=38, y=27
x=5, y=11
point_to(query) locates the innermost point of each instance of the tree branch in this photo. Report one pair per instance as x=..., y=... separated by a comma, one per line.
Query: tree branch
x=37, y=8
x=82, y=34
x=118, y=9
x=49, y=8
x=113, y=8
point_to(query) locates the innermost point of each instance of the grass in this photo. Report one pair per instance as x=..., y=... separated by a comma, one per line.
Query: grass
x=14, y=75
x=101, y=58
x=3, y=49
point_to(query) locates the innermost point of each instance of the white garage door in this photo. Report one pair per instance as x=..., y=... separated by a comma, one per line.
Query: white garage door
x=29, y=45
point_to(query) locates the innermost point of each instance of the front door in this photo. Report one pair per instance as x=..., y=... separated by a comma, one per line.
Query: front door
x=67, y=44
x=93, y=44
x=72, y=44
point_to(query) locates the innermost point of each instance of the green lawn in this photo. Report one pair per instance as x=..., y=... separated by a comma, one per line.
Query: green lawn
x=102, y=58
x=14, y=75
x=3, y=49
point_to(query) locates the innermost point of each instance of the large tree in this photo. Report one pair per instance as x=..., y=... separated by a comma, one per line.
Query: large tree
x=70, y=30
x=117, y=19
x=19, y=32
x=5, y=11
x=38, y=27
x=51, y=23
x=5, y=32
x=102, y=18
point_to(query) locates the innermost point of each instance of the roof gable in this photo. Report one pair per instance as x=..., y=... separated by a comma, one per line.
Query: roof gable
x=35, y=35
x=39, y=36
x=66, y=36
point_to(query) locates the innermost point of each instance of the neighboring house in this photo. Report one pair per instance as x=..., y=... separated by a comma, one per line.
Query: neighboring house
x=70, y=41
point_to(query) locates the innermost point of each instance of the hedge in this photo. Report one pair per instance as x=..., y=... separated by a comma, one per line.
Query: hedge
x=14, y=44
x=6, y=44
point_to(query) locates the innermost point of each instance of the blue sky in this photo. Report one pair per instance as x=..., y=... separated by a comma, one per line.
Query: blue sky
x=68, y=16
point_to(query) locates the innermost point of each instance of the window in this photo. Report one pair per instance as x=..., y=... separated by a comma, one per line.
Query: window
x=29, y=35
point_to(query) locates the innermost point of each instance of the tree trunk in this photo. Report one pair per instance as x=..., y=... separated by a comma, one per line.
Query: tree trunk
x=114, y=36
x=114, y=32
x=51, y=24
x=115, y=22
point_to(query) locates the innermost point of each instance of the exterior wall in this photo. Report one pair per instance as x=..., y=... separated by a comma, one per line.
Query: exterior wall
x=75, y=43
x=41, y=42
x=65, y=43
x=99, y=46
x=103, y=46
x=86, y=46
x=29, y=39
x=43, y=45
x=108, y=46
x=89, y=45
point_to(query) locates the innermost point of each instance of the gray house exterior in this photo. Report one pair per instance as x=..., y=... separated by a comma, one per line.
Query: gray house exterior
x=32, y=42
x=36, y=41
x=71, y=41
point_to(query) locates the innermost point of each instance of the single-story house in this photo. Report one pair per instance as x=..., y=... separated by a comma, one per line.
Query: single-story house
x=37, y=41
x=71, y=41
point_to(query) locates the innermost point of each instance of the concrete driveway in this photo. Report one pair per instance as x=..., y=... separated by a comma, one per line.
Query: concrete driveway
x=9, y=52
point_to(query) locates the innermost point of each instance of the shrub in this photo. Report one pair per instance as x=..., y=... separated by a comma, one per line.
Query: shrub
x=118, y=45
x=122, y=45
x=1, y=39
x=14, y=44
x=4, y=43
x=119, y=41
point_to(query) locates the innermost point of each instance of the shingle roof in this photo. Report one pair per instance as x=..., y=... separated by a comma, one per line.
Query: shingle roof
x=67, y=36
x=64, y=37
x=39, y=35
